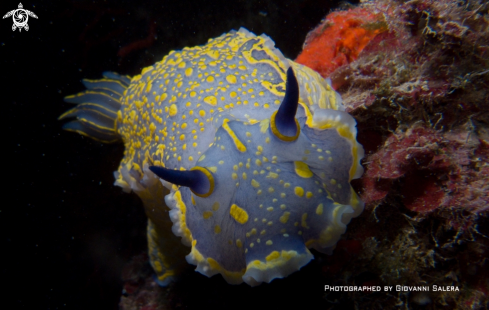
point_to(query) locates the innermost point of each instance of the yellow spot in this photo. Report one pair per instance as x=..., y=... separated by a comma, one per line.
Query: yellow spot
x=240, y=215
x=217, y=229
x=269, y=242
x=184, y=125
x=234, y=175
x=193, y=94
x=258, y=162
x=271, y=190
x=188, y=71
x=333, y=181
x=287, y=185
x=303, y=222
x=254, y=183
x=213, y=169
x=244, y=176
x=270, y=209
x=299, y=191
x=210, y=100
x=308, y=195
x=272, y=256
x=182, y=137
x=193, y=200
x=213, y=54
x=210, y=79
x=163, y=97
x=284, y=218
x=239, y=244
x=319, y=209
x=272, y=175
x=231, y=79
x=148, y=87
x=207, y=214
x=202, y=113
x=235, y=167
x=173, y=110
x=302, y=169
x=202, y=158
x=233, y=94
x=190, y=158
x=215, y=206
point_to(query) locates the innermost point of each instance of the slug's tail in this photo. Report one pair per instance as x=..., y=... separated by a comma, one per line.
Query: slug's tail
x=97, y=107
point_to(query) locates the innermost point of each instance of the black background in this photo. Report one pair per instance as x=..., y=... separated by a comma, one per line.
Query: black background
x=66, y=231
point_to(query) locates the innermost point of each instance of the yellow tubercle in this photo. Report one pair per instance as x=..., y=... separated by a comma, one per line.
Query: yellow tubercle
x=285, y=217
x=211, y=100
x=173, y=110
x=319, y=209
x=239, y=214
x=302, y=169
x=299, y=191
x=264, y=124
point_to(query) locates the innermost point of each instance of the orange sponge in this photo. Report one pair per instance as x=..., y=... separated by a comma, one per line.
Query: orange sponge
x=339, y=39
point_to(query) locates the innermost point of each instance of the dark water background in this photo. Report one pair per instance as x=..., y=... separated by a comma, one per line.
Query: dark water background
x=66, y=231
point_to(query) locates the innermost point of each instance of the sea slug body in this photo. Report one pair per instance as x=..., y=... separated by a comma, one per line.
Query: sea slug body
x=237, y=152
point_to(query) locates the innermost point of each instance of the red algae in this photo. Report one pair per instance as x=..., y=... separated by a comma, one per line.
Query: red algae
x=339, y=39
x=418, y=87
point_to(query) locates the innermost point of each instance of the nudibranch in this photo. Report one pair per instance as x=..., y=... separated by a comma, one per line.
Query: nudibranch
x=244, y=155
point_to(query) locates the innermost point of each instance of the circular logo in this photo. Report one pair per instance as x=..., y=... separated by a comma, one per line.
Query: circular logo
x=20, y=18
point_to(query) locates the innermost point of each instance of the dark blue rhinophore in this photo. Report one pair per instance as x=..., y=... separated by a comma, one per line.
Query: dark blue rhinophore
x=284, y=125
x=199, y=180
